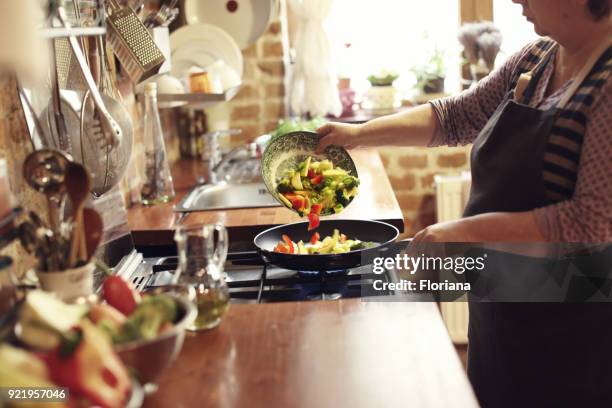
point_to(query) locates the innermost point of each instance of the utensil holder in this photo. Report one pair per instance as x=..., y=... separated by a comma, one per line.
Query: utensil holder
x=70, y=284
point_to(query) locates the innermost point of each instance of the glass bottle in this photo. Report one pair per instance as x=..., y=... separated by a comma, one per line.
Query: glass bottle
x=158, y=187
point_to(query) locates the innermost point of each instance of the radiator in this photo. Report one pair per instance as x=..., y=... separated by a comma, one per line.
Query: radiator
x=452, y=193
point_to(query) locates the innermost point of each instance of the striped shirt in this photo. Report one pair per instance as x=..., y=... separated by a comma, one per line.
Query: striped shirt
x=578, y=173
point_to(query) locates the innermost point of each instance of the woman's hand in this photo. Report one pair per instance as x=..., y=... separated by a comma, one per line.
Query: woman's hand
x=339, y=134
x=490, y=227
x=449, y=231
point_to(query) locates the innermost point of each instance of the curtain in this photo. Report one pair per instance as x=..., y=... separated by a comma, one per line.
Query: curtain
x=314, y=84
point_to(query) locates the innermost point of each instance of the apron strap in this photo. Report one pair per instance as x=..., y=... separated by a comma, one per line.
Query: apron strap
x=584, y=72
x=533, y=77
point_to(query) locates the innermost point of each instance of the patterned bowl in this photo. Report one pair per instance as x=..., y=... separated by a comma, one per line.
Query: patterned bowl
x=290, y=149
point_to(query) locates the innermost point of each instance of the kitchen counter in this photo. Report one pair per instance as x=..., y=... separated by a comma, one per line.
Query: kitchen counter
x=155, y=225
x=345, y=353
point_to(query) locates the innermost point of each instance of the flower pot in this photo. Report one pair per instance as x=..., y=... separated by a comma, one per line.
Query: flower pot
x=70, y=284
x=382, y=98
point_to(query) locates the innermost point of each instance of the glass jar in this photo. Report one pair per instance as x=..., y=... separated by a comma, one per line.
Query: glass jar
x=202, y=251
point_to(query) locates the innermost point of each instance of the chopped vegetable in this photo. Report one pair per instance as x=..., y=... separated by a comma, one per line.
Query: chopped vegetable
x=315, y=238
x=336, y=244
x=147, y=321
x=92, y=370
x=120, y=294
x=317, y=187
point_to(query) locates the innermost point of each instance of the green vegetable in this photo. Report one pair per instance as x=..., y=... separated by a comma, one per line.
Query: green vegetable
x=305, y=166
x=285, y=201
x=150, y=315
x=334, y=173
x=350, y=182
x=296, y=182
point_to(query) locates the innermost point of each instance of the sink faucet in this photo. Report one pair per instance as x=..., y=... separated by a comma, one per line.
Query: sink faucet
x=215, y=161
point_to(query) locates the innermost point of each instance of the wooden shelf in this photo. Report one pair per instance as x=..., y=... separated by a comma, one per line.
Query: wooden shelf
x=196, y=100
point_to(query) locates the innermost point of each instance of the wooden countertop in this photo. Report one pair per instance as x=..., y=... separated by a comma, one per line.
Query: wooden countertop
x=154, y=225
x=345, y=353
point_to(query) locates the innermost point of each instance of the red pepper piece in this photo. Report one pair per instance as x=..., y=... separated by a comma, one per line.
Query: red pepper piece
x=311, y=173
x=316, y=180
x=313, y=221
x=298, y=202
x=316, y=208
x=92, y=371
x=290, y=244
x=315, y=238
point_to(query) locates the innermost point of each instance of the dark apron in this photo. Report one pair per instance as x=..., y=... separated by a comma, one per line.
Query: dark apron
x=530, y=354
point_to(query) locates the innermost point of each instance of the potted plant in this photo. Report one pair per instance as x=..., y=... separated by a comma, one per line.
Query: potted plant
x=430, y=77
x=382, y=95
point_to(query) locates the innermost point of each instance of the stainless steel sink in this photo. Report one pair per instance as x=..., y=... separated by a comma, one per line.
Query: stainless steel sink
x=224, y=196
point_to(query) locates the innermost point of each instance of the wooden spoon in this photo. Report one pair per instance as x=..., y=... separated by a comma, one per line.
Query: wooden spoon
x=77, y=187
x=92, y=222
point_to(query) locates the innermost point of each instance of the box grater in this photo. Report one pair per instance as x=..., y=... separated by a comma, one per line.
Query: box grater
x=131, y=42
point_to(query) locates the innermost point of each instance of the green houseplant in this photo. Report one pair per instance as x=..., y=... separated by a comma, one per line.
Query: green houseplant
x=430, y=76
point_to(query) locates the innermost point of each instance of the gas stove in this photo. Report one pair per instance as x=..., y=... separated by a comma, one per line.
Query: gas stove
x=252, y=280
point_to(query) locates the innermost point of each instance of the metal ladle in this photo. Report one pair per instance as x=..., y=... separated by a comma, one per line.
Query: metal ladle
x=45, y=170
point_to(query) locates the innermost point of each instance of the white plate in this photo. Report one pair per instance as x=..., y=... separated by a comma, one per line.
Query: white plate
x=203, y=42
x=246, y=23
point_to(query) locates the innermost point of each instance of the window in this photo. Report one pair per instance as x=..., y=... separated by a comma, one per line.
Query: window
x=516, y=30
x=394, y=35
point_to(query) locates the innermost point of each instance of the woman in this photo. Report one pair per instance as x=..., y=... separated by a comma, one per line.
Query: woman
x=541, y=171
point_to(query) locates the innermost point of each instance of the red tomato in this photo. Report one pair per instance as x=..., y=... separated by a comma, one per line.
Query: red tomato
x=315, y=238
x=311, y=173
x=120, y=294
x=313, y=221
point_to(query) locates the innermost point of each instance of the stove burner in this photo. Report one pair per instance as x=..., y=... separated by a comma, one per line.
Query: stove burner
x=337, y=272
x=249, y=278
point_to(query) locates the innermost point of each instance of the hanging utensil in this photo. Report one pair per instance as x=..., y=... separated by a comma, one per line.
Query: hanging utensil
x=110, y=131
x=105, y=164
x=44, y=170
x=132, y=43
x=60, y=121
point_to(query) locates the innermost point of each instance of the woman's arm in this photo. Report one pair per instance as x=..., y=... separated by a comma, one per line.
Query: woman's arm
x=587, y=216
x=419, y=123
x=454, y=120
x=490, y=227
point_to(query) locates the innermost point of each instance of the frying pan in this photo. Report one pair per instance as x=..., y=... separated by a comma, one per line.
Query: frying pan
x=381, y=234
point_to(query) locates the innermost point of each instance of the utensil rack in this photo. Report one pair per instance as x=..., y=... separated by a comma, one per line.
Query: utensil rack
x=60, y=32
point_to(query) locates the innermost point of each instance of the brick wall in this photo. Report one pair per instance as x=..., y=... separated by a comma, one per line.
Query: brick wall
x=261, y=101
x=14, y=147
x=411, y=171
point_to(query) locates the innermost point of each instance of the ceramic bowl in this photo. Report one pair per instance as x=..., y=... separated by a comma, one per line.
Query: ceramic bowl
x=288, y=150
